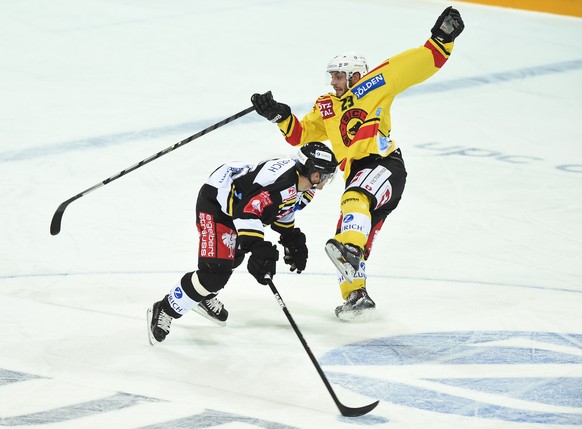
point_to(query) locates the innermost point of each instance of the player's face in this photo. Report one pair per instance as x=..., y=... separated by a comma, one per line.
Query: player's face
x=339, y=83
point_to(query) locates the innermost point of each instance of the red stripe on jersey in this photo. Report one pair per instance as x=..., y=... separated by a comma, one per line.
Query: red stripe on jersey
x=377, y=67
x=366, y=132
x=295, y=137
x=371, y=237
x=439, y=58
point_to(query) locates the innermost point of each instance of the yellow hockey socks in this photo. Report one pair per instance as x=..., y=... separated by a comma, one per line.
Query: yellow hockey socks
x=356, y=219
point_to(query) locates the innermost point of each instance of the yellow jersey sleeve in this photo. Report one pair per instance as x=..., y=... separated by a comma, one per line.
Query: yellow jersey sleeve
x=358, y=124
x=310, y=129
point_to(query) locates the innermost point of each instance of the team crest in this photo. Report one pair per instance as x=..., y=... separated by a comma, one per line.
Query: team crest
x=350, y=124
x=229, y=240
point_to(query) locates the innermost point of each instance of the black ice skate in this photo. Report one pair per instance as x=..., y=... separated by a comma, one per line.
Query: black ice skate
x=213, y=310
x=358, y=307
x=346, y=257
x=158, y=322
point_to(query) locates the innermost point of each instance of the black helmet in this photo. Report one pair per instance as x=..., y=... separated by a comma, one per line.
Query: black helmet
x=316, y=156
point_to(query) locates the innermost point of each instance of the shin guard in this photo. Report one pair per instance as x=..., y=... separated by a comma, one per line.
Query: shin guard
x=356, y=219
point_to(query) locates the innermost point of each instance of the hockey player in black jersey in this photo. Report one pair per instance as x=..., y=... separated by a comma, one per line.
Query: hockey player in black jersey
x=233, y=206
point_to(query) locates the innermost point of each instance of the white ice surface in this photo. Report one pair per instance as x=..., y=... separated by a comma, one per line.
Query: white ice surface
x=487, y=241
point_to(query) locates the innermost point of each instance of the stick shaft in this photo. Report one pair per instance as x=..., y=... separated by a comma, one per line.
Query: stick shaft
x=58, y=216
x=344, y=410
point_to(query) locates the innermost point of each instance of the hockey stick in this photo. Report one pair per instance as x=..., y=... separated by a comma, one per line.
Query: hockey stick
x=58, y=216
x=345, y=411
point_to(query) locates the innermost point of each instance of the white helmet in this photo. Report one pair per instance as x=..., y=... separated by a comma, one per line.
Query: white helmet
x=348, y=63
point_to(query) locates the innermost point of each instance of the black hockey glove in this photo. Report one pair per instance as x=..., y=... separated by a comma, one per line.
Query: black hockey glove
x=267, y=107
x=295, y=249
x=448, y=26
x=263, y=260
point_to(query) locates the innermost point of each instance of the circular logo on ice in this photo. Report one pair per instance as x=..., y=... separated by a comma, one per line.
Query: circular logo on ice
x=178, y=293
x=530, y=377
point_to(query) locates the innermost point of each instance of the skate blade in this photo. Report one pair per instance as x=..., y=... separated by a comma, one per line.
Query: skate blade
x=151, y=338
x=343, y=266
x=357, y=315
x=203, y=313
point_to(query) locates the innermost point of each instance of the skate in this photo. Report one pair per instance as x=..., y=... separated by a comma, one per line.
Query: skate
x=346, y=257
x=213, y=310
x=358, y=307
x=158, y=323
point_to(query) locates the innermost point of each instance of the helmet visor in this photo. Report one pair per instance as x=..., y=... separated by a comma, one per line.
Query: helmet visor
x=326, y=177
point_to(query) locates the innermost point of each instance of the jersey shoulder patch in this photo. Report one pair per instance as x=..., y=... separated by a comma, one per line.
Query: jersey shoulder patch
x=325, y=106
x=288, y=194
x=258, y=204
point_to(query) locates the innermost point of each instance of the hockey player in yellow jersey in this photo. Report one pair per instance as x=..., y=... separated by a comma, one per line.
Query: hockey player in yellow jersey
x=356, y=120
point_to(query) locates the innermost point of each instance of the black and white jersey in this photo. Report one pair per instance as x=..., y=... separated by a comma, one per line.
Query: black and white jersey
x=259, y=195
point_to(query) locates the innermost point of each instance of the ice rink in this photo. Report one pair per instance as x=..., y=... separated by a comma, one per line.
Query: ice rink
x=477, y=275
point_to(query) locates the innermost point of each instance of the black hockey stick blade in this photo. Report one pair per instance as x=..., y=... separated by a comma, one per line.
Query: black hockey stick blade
x=356, y=412
x=345, y=411
x=58, y=216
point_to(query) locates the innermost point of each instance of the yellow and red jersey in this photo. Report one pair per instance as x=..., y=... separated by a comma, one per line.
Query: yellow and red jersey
x=358, y=124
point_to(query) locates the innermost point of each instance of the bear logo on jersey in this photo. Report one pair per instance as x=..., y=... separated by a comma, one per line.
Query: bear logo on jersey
x=350, y=124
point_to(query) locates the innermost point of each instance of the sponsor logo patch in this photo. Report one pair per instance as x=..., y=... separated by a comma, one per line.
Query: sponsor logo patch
x=368, y=85
x=348, y=218
x=207, y=236
x=275, y=166
x=289, y=194
x=326, y=109
x=319, y=154
x=258, y=204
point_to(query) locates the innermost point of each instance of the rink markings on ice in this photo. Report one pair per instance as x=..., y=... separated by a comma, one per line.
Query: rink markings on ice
x=118, y=401
x=8, y=377
x=513, y=376
x=304, y=274
x=442, y=149
x=526, y=377
x=533, y=377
